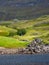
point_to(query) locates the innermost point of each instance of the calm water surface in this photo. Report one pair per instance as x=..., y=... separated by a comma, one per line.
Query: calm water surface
x=38, y=59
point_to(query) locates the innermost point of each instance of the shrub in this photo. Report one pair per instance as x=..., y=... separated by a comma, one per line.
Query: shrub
x=21, y=32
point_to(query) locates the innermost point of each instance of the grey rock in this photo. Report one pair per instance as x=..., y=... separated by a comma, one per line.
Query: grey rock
x=37, y=46
x=38, y=40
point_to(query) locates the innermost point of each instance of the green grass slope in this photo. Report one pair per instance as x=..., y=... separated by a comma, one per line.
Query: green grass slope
x=38, y=27
x=11, y=43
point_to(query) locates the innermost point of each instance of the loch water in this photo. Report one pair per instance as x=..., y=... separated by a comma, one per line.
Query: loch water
x=24, y=59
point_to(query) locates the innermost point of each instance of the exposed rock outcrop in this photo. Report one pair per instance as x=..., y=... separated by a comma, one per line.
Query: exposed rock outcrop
x=37, y=46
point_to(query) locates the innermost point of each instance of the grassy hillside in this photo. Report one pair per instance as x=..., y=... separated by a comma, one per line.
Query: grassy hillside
x=38, y=27
x=11, y=42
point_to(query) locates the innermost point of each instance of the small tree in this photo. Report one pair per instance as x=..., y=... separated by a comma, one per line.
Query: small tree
x=21, y=32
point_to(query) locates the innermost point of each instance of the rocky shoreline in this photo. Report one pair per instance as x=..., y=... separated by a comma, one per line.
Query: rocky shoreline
x=35, y=47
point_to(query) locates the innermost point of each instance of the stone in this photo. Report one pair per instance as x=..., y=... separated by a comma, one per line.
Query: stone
x=46, y=48
x=38, y=40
